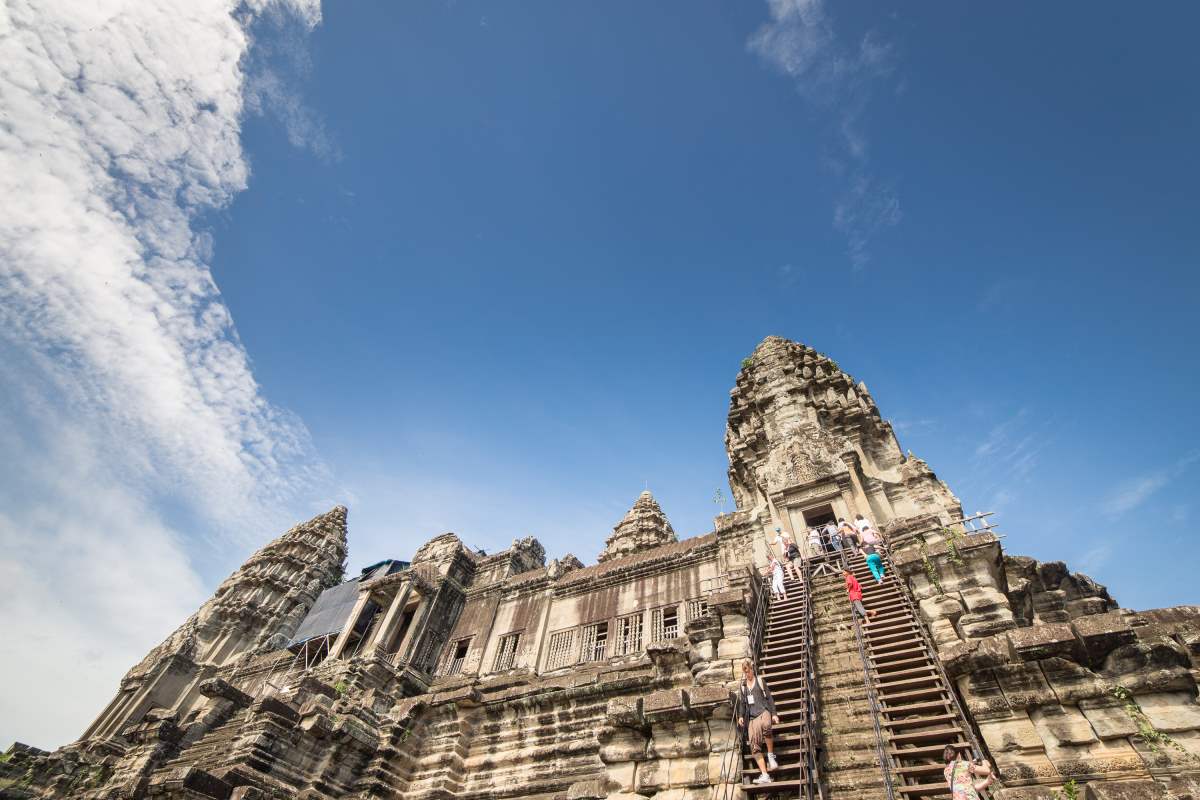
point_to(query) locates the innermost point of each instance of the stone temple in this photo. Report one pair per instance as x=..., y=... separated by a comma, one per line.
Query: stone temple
x=463, y=674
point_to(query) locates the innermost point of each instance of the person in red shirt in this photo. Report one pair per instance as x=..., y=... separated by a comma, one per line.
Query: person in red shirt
x=854, y=588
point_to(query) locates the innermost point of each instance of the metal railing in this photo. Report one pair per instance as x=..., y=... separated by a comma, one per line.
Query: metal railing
x=812, y=708
x=731, y=762
x=927, y=639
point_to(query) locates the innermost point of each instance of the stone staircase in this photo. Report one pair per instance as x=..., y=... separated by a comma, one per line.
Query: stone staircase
x=850, y=761
x=786, y=664
x=826, y=742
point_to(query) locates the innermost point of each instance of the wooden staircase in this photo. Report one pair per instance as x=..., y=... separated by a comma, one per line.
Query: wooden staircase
x=918, y=711
x=787, y=666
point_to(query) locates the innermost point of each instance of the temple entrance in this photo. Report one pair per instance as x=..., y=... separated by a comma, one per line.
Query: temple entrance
x=819, y=516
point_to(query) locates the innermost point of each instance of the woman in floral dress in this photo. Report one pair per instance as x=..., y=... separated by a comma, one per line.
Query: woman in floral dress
x=960, y=774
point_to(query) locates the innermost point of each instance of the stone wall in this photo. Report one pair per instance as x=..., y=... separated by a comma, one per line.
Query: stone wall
x=1061, y=683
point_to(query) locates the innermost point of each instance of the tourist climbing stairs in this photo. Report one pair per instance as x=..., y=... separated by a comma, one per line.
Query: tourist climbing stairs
x=917, y=709
x=786, y=663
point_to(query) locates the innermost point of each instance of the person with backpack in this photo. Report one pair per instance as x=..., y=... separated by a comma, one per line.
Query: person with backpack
x=866, y=531
x=791, y=551
x=834, y=537
x=756, y=707
x=854, y=589
x=849, y=535
x=874, y=562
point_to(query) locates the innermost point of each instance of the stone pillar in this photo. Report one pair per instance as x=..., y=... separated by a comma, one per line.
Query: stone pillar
x=340, y=644
x=391, y=619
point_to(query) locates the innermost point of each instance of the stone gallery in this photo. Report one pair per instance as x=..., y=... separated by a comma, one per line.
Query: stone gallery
x=464, y=674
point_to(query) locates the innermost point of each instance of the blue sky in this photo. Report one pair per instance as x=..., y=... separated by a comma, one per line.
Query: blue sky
x=492, y=270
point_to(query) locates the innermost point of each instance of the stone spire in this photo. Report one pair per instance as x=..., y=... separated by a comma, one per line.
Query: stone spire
x=797, y=420
x=257, y=608
x=645, y=526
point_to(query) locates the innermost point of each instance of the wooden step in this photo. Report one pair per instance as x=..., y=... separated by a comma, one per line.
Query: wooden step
x=937, y=734
x=940, y=690
x=927, y=669
x=924, y=789
x=916, y=708
x=913, y=722
x=887, y=666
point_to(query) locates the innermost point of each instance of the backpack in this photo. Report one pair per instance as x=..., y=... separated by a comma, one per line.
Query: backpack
x=793, y=551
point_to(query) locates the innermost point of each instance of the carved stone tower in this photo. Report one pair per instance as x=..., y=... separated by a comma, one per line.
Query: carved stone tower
x=643, y=527
x=806, y=443
x=257, y=608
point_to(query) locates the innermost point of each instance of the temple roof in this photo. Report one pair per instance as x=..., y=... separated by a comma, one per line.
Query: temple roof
x=643, y=527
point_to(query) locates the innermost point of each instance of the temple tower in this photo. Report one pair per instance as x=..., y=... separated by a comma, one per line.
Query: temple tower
x=257, y=608
x=643, y=526
x=806, y=443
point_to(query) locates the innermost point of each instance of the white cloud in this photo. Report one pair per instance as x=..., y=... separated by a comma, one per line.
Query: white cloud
x=130, y=399
x=1129, y=494
x=837, y=79
x=1133, y=493
x=1094, y=559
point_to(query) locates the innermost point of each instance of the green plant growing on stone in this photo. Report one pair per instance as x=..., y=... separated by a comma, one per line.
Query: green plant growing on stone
x=1146, y=732
x=930, y=572
x=1069, y=791
x=341, y=688
x=746, y=362
x=952, y=553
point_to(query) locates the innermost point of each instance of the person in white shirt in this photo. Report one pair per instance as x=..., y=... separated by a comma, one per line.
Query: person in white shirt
x=814, y=541
x=866, y=531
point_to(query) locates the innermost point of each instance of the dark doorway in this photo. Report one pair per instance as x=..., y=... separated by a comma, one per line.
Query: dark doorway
x=816, y=517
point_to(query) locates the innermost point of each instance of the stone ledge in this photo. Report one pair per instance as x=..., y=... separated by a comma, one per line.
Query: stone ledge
x=1124, y=790
x=1044, y=641
x=665, y=705
x=1103, y=633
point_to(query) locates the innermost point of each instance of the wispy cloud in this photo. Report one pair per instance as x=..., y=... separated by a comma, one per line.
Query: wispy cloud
x=1131, y=493
x=1006, y=457
x=273, y=68
x=129, y=400
x=908, y=425
x=1095, y=558
x=837, y=79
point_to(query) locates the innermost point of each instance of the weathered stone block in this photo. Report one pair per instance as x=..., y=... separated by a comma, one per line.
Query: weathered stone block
x=619, y=744
x=1065, y=726
x=1086, y=606
x=704, y=699
x=975, y=654
x=983, y=696
x=1043, y=641
x=1171, y=712
x=1013, y=733
x=221, y=688
x=1024, y=685
x=1072, y=682
x=688, y=772
x=679, y=739
x=621, y=775
x=1108, y=718
x=716, y=673
x=652, y=776
x=1144, y=667
x=1102, y=633
x=977, y=626
x=626, y=711
x=665, y=705
x=734, y=649
x=593, y=789
x=1143, y=789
